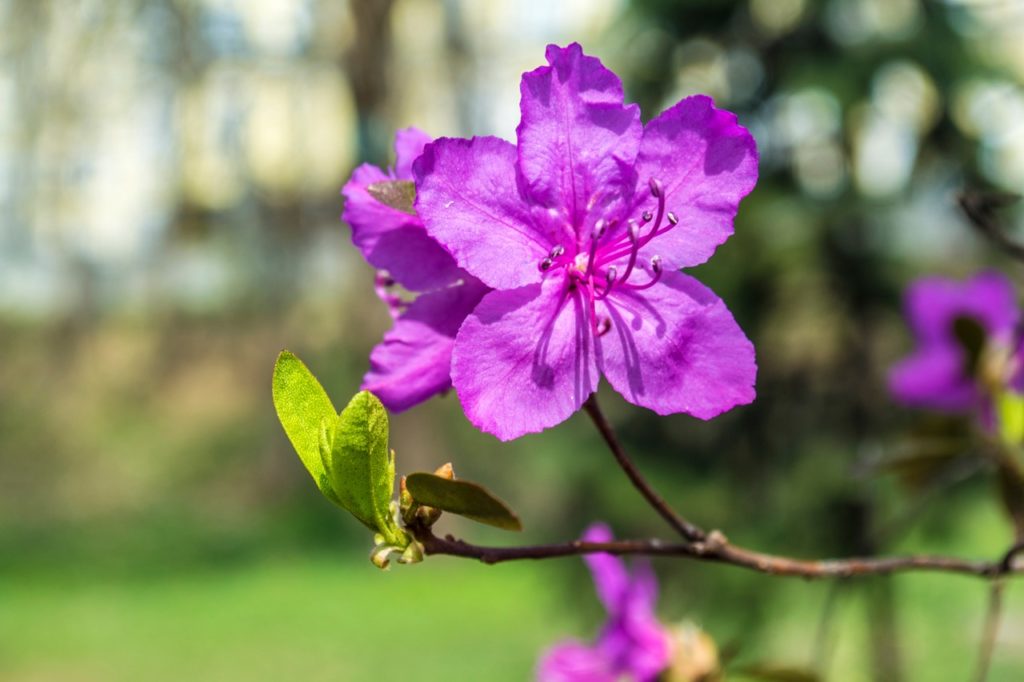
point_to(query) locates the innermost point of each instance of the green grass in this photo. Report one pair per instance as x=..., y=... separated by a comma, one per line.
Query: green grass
x=310, y=617
x=303, y=618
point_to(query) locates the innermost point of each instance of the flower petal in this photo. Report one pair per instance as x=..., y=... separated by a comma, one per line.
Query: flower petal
x=610, y=578
x=577, y=141
x=574, y=662
x=933, y=303
x=409, y=144
x=413, y=362
x=524, y=360
x=934, y=378
x=706, y=163
x=675, y=347
x=392, y=240
x=468, y=196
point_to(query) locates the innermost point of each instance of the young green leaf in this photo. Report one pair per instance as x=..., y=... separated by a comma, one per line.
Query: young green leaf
x=302, y=405
x=398, y=194
x=463, y=498
x=1011, y=417
x=361, y=468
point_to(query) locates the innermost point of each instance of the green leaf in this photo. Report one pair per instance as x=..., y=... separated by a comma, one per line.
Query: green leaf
x=360, y=467
x=463, y=498
x=302, y=405
x=398, y=194
x=1011, y=417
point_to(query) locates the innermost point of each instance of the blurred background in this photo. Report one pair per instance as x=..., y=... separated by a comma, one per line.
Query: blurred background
x=169, y=193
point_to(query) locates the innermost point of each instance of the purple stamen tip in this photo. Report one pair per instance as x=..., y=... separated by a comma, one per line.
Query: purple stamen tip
x=655, y=187
x=604, y=326
x=646, y=216
x=656, y=264
x=545, y=265
x=634, y=231
x=599, y=227
x=611, y=275
x=672, y=218
x=556, y=252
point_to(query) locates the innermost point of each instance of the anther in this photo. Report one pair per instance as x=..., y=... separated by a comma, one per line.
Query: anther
x=556, y=252
x=655, y=187
x=646, y=216
x=604, y=326
x=634, y=231
x=611, y=275
x=545, y=264
x=656, y=269
x=672, y=218
x=599, y=228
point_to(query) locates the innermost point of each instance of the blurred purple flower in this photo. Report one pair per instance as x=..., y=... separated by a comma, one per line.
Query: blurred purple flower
x=633, y=645
x=413, y=362
x=939, y=373
x=581, y=229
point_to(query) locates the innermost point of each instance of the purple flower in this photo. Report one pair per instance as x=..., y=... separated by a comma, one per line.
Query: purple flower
x=632, y=645
x=942, y=374
x=581, y=229
x=413, y=362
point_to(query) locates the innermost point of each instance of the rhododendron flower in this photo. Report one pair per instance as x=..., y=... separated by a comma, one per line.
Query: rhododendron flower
x=633, y=645
x=968, y=344
x=581, y=228
x=413, y=361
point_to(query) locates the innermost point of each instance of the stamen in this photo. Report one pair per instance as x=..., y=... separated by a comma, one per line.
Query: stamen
x=603, y=326
x=672, y=218
x=609, y=279
x=545, y=265
x=656, y=269
x=620, y=249
x=599, y=228
x=556, y=252
x=655, y=187
x=634, y=239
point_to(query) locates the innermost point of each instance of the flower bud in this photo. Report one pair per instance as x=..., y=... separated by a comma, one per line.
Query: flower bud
x=694, y=655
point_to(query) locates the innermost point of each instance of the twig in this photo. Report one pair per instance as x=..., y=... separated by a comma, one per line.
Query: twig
x=717, y=549
x=980, y=209
x=991, y=629
x=688, y=530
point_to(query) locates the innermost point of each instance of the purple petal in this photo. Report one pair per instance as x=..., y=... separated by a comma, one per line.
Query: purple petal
x=933, y=303
x=413, y=362
x=574, y=662
x=675, y=347
x=706, y=164
x=409, y=144
x=392, y=240
x=648, y=652
x=577, y=141
x=523, y=360
x=934, y=378
x=610, y=578
x=639, y=648
x=468, y=196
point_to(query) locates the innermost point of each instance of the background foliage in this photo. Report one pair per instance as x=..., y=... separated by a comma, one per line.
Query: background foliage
x=169, y=176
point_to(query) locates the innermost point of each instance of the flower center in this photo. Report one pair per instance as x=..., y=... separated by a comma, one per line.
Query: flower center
x=595, y=268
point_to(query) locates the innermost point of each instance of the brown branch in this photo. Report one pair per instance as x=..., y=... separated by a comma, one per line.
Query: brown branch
x=685, y=528
x=717, y=548
x=712, y=546
x=990, y=632
x=980, y=209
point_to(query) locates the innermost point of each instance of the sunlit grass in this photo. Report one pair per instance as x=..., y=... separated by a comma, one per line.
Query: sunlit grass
x=308, y=618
